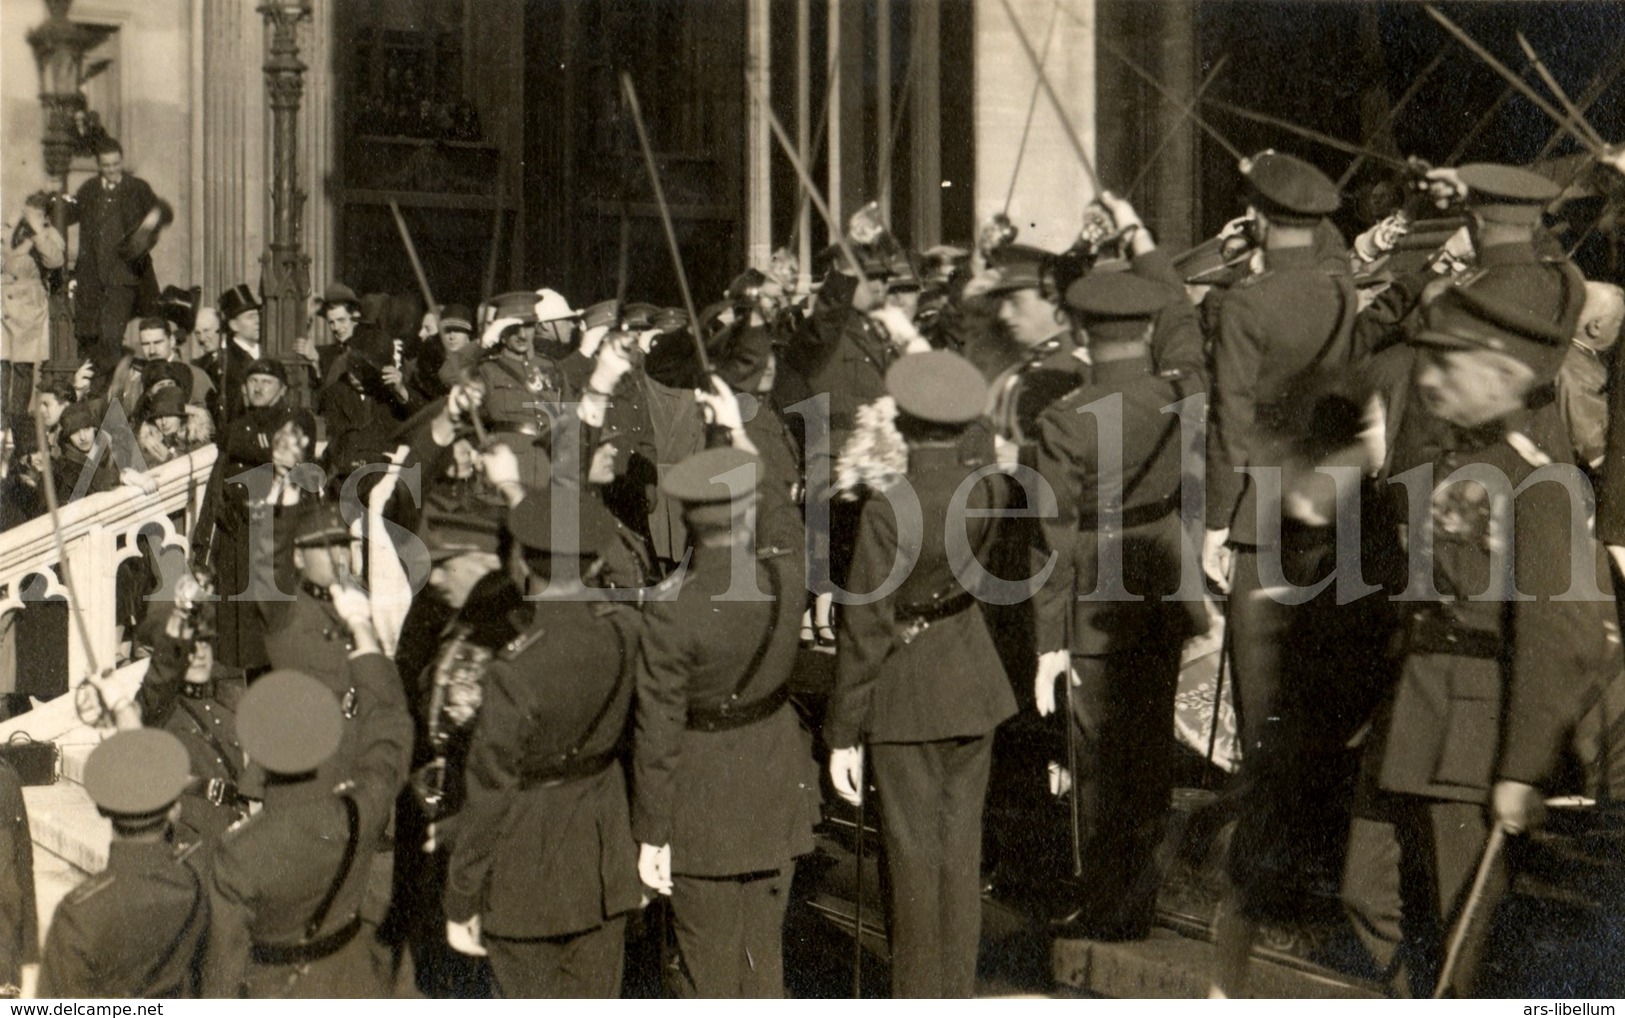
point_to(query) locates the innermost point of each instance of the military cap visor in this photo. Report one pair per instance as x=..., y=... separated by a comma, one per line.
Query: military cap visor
x=1507, y=194
x=1287, y=184
x=937, y=386
x=267, y=366
x=695, y=481
x=289, y=723
x=1016, y=267
x=320, y=526
x=449, y=534
x=137, y=773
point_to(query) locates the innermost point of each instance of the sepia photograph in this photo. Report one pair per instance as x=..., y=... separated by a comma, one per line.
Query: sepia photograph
x=629, y=499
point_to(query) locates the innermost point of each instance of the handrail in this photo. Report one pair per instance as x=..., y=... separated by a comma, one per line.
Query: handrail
x=28, y=547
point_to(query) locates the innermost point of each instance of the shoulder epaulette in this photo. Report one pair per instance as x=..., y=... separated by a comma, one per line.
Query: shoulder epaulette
x=519, y=644
x=90, y=888
x=185, y=851
x=1173, y=374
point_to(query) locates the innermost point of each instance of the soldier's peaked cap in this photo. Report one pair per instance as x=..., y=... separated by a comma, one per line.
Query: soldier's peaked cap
x=1117, y=295
x=1507, y=193
x=1287, y=184
x=1490, y=315
x=137, y=772
x=289, y=722
x=1017, y=267
x=937, y=386
x=532, y=522
x=694, y=481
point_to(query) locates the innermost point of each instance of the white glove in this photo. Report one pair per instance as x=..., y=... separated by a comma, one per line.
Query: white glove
x=720, y=405
x=654, y=867
x=1382, y=238
x=499, y=464
x=1445, y=186
x=904, y=335
x=1518, y=807
x=610, y=365
x=592, y=338
x=1052, y=665
x=846, y=772
x=1216, y=558
x=1236, y=227
x=1060, y=779
x=493, y=332
x=354, y=607
x=464, y=938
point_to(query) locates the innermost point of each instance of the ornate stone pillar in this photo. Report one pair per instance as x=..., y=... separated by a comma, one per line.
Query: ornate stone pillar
x=285, y=268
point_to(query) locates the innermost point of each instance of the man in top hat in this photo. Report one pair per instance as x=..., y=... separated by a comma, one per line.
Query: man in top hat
x=289, y=886
x=1493, y=674
x=1107, y=621
x=116, y=282
x=1292, y=320
x=240, y=346
x=919, y=687
x=544, y=870
x=138, y=928
x=725, y=790
x=255, y=479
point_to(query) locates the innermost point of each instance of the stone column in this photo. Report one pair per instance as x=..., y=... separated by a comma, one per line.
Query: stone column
x=284, y=268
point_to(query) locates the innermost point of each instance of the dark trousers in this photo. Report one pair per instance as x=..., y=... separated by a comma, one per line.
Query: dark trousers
x=1122, y=712
x=102, y=340
x=730, y=933
x=585, y=964
x=1410, y=866
x=931, y=797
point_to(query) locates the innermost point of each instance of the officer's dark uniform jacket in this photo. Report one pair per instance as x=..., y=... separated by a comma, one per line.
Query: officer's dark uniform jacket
x=19, y=923
x=1293, y=318
x=919, y=664
x=204, y=717
x=1147, y=529
x=546, y=848
x=273, y=872
x=841, y=351
x=1489, y=689
x=137, y=929
x=728, y=797
x=307, y=635
x=1019, y=393
x=516, y=388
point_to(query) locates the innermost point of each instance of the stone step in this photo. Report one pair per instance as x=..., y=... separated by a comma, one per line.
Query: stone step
x=1167, y=965
x=64, y=822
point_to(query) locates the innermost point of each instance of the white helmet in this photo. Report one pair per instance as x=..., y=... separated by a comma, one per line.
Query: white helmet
x=551, y=306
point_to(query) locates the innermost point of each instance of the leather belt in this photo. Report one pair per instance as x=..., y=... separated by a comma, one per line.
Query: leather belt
x=1132, y=516
x=1432, y=633
x=309, y=951
x=219, y=791
x=557, y=772
x=730, y=714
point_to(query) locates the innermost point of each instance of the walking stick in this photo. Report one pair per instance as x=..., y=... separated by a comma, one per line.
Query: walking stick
x=1470, y=918
x=49, y=484
x=412, y=253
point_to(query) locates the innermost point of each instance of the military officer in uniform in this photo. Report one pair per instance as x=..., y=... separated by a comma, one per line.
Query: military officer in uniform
x=1107, y=611
x=306, y=634
x=724, y=787
x=289, y=884
x=19, y=925
x=522, y=386
x=1493, y=675
x=188, y=694
x=1289, y=322
x=544, y=872
x=1030, y=284
x=138, y=928
x=919, y=687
